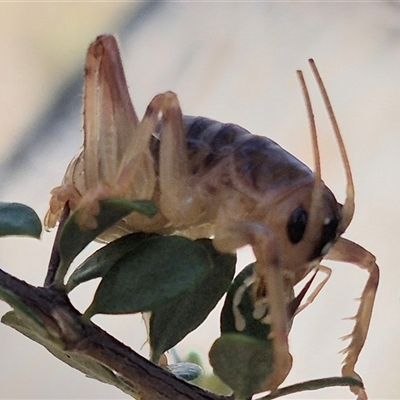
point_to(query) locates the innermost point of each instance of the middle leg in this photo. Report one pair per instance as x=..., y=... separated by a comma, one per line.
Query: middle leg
x=317, y=290
x=180, y=201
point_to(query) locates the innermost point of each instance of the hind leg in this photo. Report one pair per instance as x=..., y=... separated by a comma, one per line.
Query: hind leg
x=113, y=140
x=135, y=178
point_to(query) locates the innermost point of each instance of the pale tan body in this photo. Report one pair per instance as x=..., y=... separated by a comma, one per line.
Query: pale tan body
x=234, y=192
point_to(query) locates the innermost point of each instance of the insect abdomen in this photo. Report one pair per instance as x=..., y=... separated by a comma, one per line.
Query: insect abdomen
x=257, y=160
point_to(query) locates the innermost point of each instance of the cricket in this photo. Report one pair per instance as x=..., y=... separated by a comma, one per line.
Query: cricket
x=217, y=180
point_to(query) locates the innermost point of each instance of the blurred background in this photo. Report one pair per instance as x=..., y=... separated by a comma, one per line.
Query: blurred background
x=234, y=62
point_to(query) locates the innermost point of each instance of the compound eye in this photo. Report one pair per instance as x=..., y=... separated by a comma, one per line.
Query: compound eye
x=328, y=236
x=296, y=225
x=329, y=231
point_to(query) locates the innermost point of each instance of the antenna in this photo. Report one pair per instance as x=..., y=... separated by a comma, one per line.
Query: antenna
x=317, y=189
x=348, y=206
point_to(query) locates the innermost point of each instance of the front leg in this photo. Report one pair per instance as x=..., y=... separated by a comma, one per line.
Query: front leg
x=268, y=286
x=347, y=251
x=312, y=296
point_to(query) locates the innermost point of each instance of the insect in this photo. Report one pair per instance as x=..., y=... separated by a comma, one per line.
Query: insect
x=211, y=179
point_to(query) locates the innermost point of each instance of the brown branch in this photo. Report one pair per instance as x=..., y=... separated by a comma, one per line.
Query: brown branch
x=55, y=252
x=84, y=338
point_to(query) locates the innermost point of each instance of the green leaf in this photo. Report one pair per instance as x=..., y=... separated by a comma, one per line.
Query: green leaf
x=242, y=362
x=98, y=264
x=243, y=329
x=157, y=271
x=73, y=239
x=19, y=219
x=172, y=322
x=243, y=320
x=208, y=381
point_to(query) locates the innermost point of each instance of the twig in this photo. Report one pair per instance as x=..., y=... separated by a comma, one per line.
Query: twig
x=314, y=384
x=85, y=338
x=55, y=253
